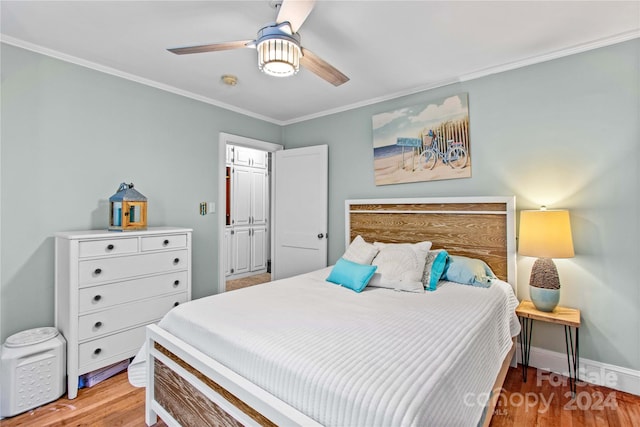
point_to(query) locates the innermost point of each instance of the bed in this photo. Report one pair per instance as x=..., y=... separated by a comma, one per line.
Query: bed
x=302, y=351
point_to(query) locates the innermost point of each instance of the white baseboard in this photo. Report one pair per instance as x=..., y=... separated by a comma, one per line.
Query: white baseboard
x=591, y=371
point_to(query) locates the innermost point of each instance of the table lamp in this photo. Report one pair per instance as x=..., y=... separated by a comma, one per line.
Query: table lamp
x=545, y=234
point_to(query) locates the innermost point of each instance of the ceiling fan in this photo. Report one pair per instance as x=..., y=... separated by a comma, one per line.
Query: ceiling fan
x=278, y=45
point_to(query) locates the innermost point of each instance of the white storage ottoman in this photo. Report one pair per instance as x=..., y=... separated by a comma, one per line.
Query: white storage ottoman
x=33, y=370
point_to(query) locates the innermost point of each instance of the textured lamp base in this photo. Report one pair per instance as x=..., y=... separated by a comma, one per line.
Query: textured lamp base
x=544, y=285
x=544, y=274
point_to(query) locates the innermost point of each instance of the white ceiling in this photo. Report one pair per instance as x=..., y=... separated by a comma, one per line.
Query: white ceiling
x=387, y=48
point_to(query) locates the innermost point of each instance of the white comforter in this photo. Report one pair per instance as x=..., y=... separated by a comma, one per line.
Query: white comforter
x=378, y=358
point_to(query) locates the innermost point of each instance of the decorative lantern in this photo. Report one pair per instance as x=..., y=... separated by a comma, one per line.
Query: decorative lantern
x=128, y=209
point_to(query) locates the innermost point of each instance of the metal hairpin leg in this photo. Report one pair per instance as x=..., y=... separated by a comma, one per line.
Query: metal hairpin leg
x=525, y=344
x=573, y=357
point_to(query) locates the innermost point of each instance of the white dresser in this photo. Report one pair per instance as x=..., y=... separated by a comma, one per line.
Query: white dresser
x=110, y=285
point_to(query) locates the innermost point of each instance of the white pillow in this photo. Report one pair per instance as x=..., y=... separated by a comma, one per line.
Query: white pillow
x=400, y=266
x=359, y=251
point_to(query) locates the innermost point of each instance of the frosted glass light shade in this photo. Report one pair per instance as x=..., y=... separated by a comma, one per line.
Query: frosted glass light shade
x=545, y=234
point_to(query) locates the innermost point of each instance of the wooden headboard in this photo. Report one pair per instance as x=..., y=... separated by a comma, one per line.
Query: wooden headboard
x=477, y=227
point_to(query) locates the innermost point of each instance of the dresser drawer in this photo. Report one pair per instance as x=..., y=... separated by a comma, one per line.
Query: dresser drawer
x=110, y=349
x=121, y=316
x=110, y=269
x=91, y=248
x=104, y=296
x=153, y=243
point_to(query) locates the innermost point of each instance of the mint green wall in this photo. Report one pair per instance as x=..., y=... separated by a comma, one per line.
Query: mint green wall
x=70, y=136
x=563, y=133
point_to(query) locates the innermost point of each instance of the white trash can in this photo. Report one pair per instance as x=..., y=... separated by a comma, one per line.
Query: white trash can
x=33, y=370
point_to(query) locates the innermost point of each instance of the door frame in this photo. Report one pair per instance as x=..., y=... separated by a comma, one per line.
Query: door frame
x=223, y=140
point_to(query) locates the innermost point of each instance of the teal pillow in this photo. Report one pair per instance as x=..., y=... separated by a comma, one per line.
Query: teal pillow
x=468, y=271
x=434, y=268
x=351, y=275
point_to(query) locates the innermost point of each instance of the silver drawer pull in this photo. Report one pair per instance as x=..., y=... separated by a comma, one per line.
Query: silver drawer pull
x=97, y=271
x=176, y=283
x=176, y=260
x=97, y=351
x=110, y=247
x=166, y=242
x=97, y=324
x=97, y=298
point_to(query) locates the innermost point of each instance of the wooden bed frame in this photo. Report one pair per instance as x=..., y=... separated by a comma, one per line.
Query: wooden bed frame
x=188, y=388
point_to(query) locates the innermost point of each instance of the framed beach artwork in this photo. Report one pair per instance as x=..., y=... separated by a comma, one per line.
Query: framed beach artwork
x=425, y=142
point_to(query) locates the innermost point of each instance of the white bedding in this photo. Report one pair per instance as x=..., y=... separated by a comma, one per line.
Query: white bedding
x=375, y=358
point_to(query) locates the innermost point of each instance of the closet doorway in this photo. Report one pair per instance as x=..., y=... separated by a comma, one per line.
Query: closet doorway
x=245, y=200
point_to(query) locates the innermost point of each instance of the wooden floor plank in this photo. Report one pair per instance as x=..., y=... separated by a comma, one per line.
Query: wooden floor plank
x=592, y=405
x=115, y=402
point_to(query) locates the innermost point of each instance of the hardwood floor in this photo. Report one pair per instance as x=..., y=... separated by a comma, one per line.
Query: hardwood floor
x=116, y=403
x=545, y=400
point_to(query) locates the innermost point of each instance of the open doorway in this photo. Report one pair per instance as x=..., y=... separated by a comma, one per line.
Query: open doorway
x=247, y=227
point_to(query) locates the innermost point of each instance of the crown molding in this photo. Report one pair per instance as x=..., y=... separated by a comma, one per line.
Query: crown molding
x=128, y=76
x=606, y=41
x=538, y=59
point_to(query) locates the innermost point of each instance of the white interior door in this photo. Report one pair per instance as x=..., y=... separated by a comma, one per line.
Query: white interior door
x=241, y=181
x=242, y=250
x=259, y=193
x=300, y=194
x=258, y=248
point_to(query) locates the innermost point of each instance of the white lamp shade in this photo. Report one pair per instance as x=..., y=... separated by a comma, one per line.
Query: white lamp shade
x=545, y=234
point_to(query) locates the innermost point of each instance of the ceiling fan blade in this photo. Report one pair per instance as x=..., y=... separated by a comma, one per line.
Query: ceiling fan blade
x=321, y=68
x=211, y=47
x=295, y=12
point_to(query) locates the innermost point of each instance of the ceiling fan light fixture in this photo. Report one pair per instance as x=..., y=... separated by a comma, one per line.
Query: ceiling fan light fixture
x=278, y=45
x=278, y=57
x=278, y=51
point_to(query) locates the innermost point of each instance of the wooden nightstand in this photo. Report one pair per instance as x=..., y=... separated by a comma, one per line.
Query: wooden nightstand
x=569, y=317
